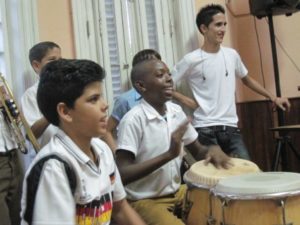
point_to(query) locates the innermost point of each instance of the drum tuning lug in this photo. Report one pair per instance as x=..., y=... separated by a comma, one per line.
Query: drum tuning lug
x=225, y=203
x=211, y=221
x=280, y=202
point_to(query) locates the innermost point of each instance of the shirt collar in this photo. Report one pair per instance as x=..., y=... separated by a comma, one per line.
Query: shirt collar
x=151, y=113
x=73, y=149
x=137, y=96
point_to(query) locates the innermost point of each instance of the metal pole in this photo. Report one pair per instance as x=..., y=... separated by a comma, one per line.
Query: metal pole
x=275, y=65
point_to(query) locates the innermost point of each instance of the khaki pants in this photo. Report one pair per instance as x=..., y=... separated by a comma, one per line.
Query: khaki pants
x=11, y=178
x=158, y=211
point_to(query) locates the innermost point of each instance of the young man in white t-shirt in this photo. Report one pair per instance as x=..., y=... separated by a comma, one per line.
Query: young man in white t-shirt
x=211, y=73
x=74, y=179
x=150, y=146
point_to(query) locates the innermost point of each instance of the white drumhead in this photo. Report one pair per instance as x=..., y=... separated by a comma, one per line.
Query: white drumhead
x=208, y=175
x=259, y=185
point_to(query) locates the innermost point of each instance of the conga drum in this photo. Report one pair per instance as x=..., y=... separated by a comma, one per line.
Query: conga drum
x=200, y=178
x=258, y=199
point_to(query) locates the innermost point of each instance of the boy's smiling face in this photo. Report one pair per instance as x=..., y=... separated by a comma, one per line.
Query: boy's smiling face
x=89, y=117
x=157, y=83
x=216, y=30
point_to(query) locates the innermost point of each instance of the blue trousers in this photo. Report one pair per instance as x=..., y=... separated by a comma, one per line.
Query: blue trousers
x=229, y=139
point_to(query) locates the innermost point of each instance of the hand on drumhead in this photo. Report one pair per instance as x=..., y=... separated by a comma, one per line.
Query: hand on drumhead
x=217, y=157
x=176, y=138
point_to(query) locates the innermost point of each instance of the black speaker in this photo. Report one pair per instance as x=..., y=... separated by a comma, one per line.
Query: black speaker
x=261, y=8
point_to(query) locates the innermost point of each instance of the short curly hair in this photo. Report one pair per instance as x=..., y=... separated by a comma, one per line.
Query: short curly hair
x=64, y=80
x=145, y=54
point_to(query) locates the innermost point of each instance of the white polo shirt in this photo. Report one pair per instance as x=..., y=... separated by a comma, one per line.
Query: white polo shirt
x=96, y=189
x=145, y=133
x=32, y=113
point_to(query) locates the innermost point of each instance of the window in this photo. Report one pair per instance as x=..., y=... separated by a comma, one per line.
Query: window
x=2, y=60
x=123, y=27
x=17, y=34
x=151, y=24
x=113, y=47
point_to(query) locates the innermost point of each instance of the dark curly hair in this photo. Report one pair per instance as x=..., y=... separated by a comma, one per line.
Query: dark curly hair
x=64, y=80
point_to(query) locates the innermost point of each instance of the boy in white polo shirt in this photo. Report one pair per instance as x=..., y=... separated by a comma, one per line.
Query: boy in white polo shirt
x=150, y=150
x=73, y=179
x=39, y=55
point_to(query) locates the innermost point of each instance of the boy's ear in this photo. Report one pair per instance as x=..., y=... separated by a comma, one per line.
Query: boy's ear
x=139, y=85
x=63, y=112
x=35, y=65
x=203, y=28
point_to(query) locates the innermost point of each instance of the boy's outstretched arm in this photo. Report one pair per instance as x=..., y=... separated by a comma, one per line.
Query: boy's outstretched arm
x=187, y=101
x=39, y=127
x=211, y=153
x=281, y=102
x=124, y=214
x=131, y=171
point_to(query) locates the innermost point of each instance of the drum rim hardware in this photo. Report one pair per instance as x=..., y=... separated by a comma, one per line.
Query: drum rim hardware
x=231, y=196
x=226, y=201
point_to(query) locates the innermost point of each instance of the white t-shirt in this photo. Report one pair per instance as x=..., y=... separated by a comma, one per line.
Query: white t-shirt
x=145, y=133
x=96, y=189
x=213, y=90
x=32, y=113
